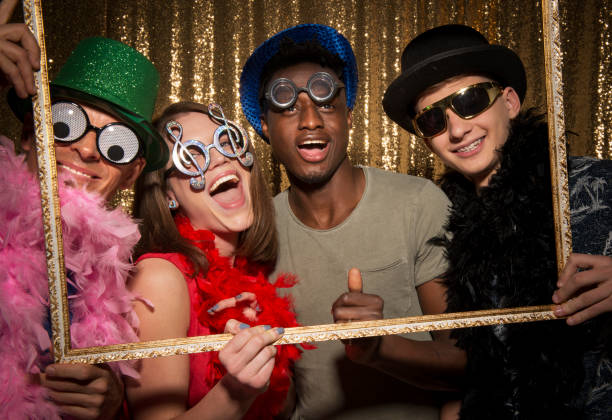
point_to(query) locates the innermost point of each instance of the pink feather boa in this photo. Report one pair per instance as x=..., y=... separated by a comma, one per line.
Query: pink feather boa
x=98, y=245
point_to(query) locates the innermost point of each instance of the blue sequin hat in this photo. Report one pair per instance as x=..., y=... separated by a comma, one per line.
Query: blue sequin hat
x=329, y=38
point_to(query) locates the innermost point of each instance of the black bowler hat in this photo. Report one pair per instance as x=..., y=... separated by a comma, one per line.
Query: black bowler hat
x=444, y=52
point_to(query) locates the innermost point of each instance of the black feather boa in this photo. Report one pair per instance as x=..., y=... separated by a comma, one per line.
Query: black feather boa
x=502, y=255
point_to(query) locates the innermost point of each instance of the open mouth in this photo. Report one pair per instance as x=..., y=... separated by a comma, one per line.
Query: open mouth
x=313, y=145
x=313, y=150
x=224, y=184
x=227, y=192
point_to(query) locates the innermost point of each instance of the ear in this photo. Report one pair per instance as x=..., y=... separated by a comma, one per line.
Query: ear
x=511, y=101
x=264, y=126
x=132, y=173
x=26, y=144
x=349, y=118
x=27, y=133
x=170, y=195
x=427, y=142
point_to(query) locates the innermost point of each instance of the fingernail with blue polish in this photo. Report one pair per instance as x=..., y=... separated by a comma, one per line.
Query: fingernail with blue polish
x=258, y=308
x=239, y=295
x=244, y=326
x=280, y=330
x=213, y=309
x=266, y=327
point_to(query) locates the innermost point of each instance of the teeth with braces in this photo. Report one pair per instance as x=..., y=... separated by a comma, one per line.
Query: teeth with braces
x=470, y=147
x=222, y=181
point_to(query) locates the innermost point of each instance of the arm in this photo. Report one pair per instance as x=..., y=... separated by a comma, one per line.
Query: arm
x=436, y=364
x=589, y=291
x=450, y=410
x=19, y=52
x=164, y=384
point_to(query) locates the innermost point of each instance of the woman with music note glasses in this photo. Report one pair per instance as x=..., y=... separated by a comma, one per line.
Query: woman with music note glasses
x=208, y=243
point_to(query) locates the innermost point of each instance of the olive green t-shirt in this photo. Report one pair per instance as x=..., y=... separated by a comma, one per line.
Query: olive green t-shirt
x=386, y=237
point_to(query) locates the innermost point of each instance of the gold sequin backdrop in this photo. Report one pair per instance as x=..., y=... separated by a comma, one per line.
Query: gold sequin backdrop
x=199, y=47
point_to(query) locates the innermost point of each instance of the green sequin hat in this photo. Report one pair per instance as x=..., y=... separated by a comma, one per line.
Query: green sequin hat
x=117, y=79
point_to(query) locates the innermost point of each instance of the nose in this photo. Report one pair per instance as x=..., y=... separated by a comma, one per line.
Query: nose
x=86, y=147
x=310, y=118
x=216, y=158
x=457, y=127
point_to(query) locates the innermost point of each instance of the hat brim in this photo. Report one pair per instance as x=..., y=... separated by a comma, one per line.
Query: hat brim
x=495, y=61
x=155, y=149
x=328, y=37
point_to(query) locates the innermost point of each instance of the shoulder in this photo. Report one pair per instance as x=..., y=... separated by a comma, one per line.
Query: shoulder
x=589, y=176
x=164, y=304
x=405, y=189
x=281, y=205
x=587, y=165
x=156, y=267
x=280, y=198
x=157, y=277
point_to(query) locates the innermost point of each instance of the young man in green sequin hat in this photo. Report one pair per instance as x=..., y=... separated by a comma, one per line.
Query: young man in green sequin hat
x=102, y=102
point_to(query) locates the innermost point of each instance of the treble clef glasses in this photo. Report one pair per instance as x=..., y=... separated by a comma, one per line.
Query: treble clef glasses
x=192, y=157
x=116, y=142
x=282, y=93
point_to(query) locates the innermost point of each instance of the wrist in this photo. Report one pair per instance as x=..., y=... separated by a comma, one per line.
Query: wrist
x=364, y=351
x=237, y=391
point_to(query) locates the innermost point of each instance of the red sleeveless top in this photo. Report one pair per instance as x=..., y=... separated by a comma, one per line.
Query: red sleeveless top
x=222, y=281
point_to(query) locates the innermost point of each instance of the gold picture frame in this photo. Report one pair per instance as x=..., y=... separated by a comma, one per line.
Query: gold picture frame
x=64, y=353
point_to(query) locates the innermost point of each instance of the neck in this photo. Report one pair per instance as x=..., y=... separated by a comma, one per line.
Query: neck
x=227, y=243
x=482, y=180
x=326, y=205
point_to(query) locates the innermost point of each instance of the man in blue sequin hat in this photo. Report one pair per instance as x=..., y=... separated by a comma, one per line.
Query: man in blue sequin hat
x=102, y=101
x=298, y=90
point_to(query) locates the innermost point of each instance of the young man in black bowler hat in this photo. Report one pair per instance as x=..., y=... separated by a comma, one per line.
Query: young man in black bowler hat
x=103, y=140
x=298, y=90
x=463, y=96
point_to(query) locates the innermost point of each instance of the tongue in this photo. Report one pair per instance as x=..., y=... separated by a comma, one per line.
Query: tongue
x=228, y=196
x=313, y=154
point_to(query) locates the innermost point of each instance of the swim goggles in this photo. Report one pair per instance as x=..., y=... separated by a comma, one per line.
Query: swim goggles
x=321, y=87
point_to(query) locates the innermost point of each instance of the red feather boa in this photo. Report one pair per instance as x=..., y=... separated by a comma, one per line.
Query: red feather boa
x=222, y=281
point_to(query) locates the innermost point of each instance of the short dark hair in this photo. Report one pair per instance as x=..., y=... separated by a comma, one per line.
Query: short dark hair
x=291, y=53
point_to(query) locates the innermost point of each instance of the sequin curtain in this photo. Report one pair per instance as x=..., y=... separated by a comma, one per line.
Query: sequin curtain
x=200, y=46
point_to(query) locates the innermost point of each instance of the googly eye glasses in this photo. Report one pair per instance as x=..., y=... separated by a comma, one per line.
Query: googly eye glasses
x=116, y=142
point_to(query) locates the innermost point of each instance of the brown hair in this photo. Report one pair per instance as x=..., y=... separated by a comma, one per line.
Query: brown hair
x=158, y=231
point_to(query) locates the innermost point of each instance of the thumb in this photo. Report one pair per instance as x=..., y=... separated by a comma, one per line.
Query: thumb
x=233, y=326
x=6, y=10
x=355, y=284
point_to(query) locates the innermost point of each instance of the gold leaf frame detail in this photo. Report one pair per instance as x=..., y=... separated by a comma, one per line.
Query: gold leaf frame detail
x=53, y=239
x=553, y=57
x=47, y=175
